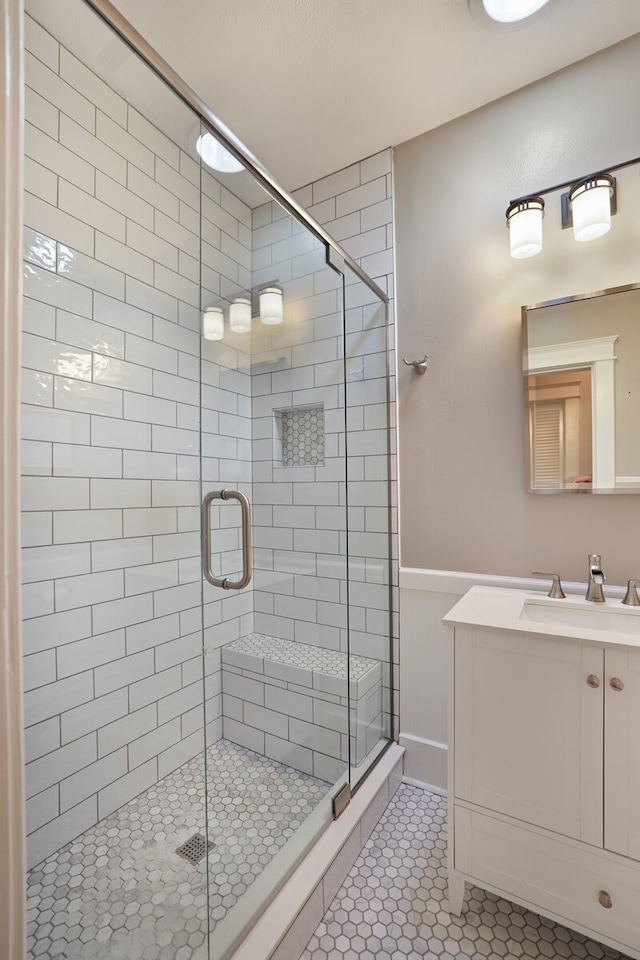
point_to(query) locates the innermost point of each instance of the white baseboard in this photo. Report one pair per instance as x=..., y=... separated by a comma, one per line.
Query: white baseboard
x=425, y=763
x=429, y=787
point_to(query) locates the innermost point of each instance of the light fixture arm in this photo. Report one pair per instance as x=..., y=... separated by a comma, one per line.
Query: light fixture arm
x=570, y=183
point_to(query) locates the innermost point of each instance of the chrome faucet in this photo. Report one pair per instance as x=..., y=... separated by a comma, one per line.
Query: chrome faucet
x=596, y=579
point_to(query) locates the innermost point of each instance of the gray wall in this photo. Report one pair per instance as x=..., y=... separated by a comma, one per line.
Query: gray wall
x=459, y=294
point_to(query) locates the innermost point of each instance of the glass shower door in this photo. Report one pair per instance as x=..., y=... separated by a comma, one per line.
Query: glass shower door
x=274, y=431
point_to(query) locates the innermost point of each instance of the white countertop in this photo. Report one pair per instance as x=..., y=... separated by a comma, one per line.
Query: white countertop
x=499, y=608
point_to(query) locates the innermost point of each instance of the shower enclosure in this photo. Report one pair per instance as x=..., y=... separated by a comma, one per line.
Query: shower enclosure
x=205, y=510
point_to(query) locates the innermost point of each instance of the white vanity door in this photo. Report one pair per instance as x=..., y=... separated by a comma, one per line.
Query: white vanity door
x=622, y=752
x=528, y=729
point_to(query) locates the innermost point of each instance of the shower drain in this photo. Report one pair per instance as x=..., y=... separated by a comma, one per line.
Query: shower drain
x=194, y=849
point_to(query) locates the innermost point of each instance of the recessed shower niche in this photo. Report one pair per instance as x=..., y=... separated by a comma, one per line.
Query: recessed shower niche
x=299, y=436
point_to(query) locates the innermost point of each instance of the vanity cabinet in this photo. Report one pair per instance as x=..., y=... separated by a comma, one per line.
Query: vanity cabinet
x=544, y=775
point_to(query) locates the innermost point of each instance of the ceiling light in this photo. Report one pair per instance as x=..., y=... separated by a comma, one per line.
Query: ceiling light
x=524, y=219
x=510, y=11
x=215, y=155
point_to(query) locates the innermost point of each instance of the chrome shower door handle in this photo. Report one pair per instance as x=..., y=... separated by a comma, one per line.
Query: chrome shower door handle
x=225, y=582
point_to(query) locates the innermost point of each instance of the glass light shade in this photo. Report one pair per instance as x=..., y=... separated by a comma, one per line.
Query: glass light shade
x=271, y=306
x=590, y=202
x=213, y=324
x=524, y=219
x=215, y=155
x=510, y=11
x=240, y=316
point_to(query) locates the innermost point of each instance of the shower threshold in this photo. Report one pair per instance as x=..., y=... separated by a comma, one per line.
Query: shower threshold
x=120, y=891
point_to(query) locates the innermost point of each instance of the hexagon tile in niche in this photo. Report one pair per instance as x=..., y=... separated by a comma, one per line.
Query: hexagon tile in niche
x=393, y=904
x=121, y=892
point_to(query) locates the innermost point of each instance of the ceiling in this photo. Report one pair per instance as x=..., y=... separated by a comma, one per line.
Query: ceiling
x=311, y=86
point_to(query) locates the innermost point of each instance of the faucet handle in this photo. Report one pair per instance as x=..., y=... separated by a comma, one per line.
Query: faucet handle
x=556, y=590
x=631, y=597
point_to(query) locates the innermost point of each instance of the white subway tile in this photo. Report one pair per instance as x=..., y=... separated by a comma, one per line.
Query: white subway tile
x=47, y=840
x=87, y=397
x=121, y=613
x=56, y=291
x=42, y=738
x=146, y=133
x=36, y=529
x=113, y=432
x=116, y=137
x=177, y=184
x=113, y=494
x=36, y=388
x=43, y=423
x=122, y=374
x=50, y=769
x=181, y=701
x=83, y=784
x=176, y=286
x=93, y=588
x=291, y=754
x=83, y=206
x=93, y=336
x=113, y=796
x=155, y=576
x=98, y=92
x=38, y=353
x=154, y=193
x=177, y=336
x=39, y=669
x=117, y=733
x=49, y=85
x=154, y=466
x=115, y=195
x=185, y=750
x=92, y=716
x=46, y=563
x=120, y=673
x=154, y=688
x=41, y=113
x=151, y=299
x=48, y=632
x=71, y=460
x=175, y=440
x=152, y=246
x=79, y=526
x=151, y=354
x=122, y=258
x=112, y=554
x=54, y=493
x=142, y=523
x=153, y=743
x=38, y=318
x=98, y=154
x=177, y=235
x=156, y=632
x=125, y=317
x=150, y=410
x=56, y=697
x=57, y=158
x=40, y=43
x=176, y=598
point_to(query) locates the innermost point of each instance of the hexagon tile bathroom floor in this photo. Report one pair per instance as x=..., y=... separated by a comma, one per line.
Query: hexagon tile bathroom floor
x=121, y=892
x=392, y=906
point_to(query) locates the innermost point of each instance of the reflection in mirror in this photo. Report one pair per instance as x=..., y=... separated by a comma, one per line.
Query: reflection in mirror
x=582, y=392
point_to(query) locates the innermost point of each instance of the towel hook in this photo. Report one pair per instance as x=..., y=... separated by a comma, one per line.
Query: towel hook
x=419, y=366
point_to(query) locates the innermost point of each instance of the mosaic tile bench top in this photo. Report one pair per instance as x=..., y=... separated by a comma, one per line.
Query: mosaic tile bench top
x=313, y=665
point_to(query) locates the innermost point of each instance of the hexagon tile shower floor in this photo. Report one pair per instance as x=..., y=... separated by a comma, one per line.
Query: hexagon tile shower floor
x=121, y=891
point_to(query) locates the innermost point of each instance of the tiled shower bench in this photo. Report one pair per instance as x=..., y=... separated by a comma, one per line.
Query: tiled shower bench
x=288, y=701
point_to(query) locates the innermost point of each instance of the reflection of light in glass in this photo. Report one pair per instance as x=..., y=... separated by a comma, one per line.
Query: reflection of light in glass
x=76, y=366
x=42, y=250
x=508, y=11
x=215, y=155
x=65, y=260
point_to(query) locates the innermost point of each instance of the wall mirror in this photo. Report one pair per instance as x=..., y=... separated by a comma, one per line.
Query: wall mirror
x=581, y=364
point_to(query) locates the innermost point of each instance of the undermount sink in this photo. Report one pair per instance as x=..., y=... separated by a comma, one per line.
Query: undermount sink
x=601, y=616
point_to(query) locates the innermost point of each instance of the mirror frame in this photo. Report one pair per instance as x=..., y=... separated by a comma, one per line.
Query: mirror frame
x=610, y=291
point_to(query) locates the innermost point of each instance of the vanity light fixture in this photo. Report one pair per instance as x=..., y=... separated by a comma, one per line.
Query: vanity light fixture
x=590, y=202
x=213, y=323
x=510, y=11
x=271, y=306
x=587, y=207
x=524, y=220
x=240, y=316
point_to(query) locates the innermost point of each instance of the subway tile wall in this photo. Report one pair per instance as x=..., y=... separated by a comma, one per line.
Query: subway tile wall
x=111, y=451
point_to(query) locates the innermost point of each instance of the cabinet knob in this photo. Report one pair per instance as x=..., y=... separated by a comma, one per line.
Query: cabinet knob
x=593, y=681
x=616, y=684
x=604, y=899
